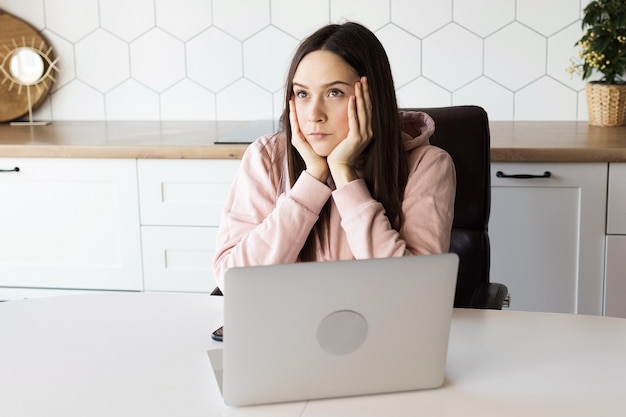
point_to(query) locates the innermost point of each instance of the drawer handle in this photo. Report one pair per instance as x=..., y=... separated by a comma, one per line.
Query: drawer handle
x=16, y=169
x=501, y=174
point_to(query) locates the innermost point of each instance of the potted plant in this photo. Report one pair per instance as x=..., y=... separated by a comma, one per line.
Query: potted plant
x=603, y=52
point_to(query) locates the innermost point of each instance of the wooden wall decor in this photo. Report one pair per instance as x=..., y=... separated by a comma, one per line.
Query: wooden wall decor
x=18, y=37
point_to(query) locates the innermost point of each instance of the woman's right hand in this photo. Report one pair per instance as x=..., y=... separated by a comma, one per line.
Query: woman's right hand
x=315, y=164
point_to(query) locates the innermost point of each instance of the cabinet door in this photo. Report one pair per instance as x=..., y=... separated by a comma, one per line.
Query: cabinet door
x=547, y=235
x=69, y=223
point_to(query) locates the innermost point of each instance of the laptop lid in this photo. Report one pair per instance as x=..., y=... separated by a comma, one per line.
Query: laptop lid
x=330, y=329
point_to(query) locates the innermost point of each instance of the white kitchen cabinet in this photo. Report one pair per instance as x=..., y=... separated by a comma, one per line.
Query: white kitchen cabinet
x=548, y=235
x=69, y=223
x=181, y=203
x=615, y=288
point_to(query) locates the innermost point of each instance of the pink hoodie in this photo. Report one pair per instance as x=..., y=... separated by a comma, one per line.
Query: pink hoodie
x=266, y=222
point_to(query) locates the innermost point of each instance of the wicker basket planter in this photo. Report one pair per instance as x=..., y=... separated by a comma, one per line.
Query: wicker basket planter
x=606, y=104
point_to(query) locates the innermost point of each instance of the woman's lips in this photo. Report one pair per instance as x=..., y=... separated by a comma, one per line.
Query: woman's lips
x=317, y=135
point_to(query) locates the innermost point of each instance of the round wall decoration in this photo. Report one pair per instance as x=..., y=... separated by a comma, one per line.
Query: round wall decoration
x=27, y=68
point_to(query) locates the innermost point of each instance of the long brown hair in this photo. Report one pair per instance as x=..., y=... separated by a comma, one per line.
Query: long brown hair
x=385, y=168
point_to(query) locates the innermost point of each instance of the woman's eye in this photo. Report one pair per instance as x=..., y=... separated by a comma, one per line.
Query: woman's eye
x=335, y=93
x=301, y=94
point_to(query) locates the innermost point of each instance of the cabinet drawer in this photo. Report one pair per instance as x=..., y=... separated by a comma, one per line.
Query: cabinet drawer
x=184, y=192
x=178, y=258
x=616, y=210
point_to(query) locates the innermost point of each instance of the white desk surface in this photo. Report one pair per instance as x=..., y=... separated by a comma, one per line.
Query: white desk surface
x=145, y=355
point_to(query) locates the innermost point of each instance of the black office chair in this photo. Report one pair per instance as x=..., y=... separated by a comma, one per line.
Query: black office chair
x=463, y=131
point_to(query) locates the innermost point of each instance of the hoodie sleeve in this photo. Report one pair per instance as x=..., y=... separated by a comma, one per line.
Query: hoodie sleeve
x=261, y=224
x=428, y=209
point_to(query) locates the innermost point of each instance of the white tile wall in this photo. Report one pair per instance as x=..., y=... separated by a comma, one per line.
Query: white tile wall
x=226, y=59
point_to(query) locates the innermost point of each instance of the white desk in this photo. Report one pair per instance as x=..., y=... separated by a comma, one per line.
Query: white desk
x=145, y=355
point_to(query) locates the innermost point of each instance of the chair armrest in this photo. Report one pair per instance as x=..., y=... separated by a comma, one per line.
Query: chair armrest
x=491, y=296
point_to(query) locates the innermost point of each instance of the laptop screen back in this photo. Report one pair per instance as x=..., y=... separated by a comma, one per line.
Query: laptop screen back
x=329, y=329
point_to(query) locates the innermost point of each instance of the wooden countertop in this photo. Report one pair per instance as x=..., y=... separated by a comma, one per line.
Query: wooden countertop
x=168, y=140
x=556, y=142
x=510, y=141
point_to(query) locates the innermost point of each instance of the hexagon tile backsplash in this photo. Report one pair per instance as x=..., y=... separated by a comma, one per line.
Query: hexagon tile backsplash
x=226, y=59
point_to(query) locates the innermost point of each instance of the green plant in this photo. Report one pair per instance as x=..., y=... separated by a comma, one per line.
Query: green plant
x=603, y=44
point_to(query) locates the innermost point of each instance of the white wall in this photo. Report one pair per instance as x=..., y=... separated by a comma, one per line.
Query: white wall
x=226, y=59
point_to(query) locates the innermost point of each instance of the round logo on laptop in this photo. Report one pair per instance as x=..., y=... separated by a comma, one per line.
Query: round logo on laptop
x=342, y=332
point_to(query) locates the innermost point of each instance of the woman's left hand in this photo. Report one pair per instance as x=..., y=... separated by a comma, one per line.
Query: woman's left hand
x=342, y=159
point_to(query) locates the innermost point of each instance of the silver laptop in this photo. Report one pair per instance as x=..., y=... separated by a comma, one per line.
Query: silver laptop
x=332, y=329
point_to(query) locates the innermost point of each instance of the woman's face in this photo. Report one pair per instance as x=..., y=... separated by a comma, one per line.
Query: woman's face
x=322, y=86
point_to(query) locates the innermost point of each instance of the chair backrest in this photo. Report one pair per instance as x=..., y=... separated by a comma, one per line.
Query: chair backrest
x=463, y=131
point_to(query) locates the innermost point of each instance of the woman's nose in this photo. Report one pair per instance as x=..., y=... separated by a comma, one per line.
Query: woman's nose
x=316, y=112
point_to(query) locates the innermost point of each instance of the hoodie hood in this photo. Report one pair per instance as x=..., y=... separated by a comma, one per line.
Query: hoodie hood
x=417, y=128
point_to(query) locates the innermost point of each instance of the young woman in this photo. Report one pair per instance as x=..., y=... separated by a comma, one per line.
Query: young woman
x=341, y=180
